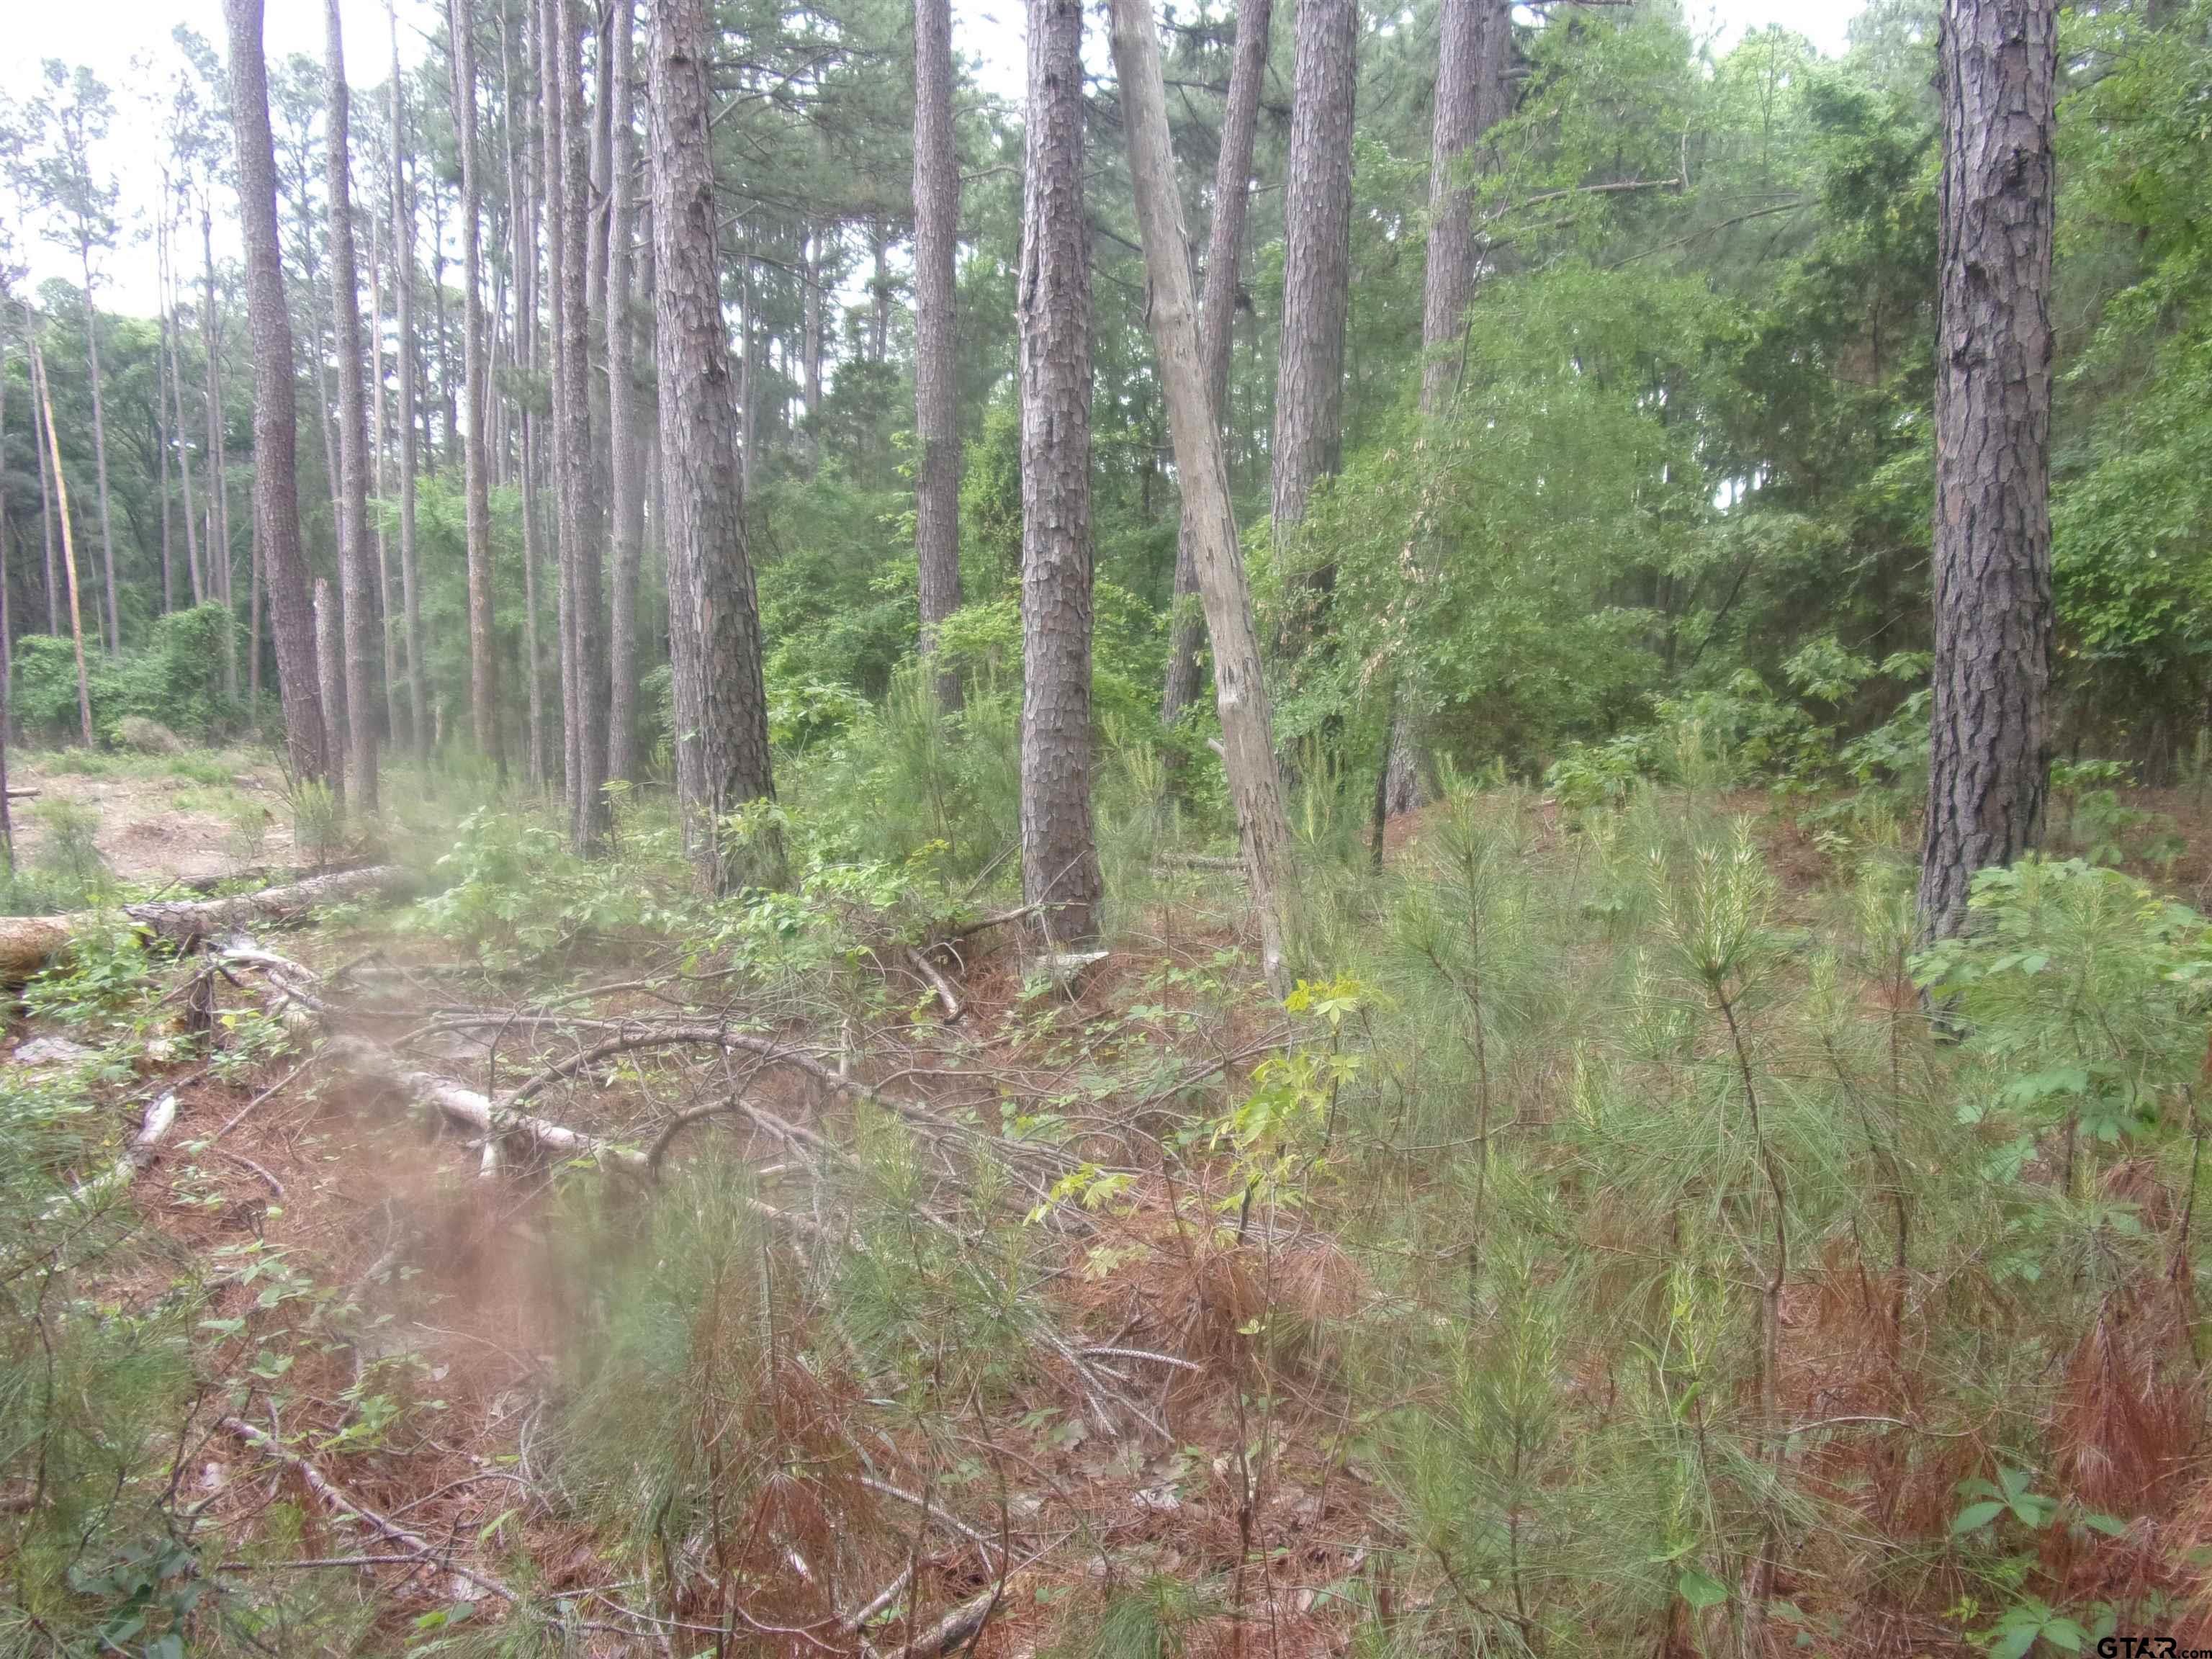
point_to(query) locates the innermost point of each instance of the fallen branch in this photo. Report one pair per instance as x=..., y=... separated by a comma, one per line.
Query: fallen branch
x=153, y=1129
x=945, y=995
x=476, y=1112
x=325, y=1488
x=961, y=1624
x=28, y=944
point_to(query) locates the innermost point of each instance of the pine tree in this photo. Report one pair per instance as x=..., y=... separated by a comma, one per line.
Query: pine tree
x=936, y=375
x=1989, y=755
x=483, y=666
x=1059, y=861
x=276, y=416
x=362, y=621
x=722, y=703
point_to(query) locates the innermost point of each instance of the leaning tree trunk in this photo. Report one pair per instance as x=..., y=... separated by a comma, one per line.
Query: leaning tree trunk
x=1217, y=317
x=1473, y=94
x=1059, y=861
x=483, y=666
x=626, y=494
x=363, y=623
x=403, y=300
x=39, y=441
x=1240, y=692
x=1317, y=258
x=275, y=416
x=1989, y=751
x=68, y=541
x=936, y=344
x=722, y=703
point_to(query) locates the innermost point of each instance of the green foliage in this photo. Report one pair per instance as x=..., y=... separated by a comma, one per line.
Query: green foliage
x=2083, y=995
x=174, y=680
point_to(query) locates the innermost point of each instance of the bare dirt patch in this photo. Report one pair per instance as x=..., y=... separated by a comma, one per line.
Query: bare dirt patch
x=160, y=823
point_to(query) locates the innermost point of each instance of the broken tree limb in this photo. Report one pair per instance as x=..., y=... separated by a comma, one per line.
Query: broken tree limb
x=325, y=1488
x=946, y=997
x=476, y=1113
x=28, y=944
x=153, y=1129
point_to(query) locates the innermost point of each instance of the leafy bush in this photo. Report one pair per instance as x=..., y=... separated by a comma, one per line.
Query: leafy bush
x=174, y=681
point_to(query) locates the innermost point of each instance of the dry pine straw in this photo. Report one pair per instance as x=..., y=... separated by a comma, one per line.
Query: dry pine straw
x=399, y=1218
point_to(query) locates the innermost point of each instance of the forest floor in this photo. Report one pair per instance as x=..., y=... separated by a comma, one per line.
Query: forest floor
x=303, y=1174
x=412, y=1311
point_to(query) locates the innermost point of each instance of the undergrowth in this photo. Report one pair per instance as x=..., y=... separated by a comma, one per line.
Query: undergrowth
x=1620, y=1239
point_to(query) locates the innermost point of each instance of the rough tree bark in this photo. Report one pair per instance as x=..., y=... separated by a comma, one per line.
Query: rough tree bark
x=1059, y=861
x=363, y=624
x=1240, y=694
x=483, y=665
x=1473, y=94
x=1989, y=755
x=722, y=703
x=330, y=678
x=584, y=671
x=936, y=342
x=403, y=285
x=1217, y=318
x=522, y=221
x=275, y=416
x=1317, y=258
x=626, y=493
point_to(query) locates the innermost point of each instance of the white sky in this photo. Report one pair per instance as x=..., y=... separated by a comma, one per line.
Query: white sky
x=116, y=38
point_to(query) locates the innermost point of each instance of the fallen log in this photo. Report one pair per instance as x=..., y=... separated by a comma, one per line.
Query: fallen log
x=28, y=944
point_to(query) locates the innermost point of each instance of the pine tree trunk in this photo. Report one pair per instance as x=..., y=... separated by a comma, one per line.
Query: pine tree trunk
x=40, y=439
x=626, y=493
x=1240, y=692
x=879, y=290
x=276, y=419
x=937, y=339
x=219, y=553
x=1059, y=861
x=1989, y=754
x=811, y=345
x=483, y=666
x=1217, y=320
x=523, y=176
x=176, y=328
x=69, y=545
x=721, y=714
x=161, y=442
x=403, y=282
x=100, y=455
x=584, y=674
x=1473, y=94
x=1316, y=260
x=386, y=605
x=362, y=624
x=330, y=677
